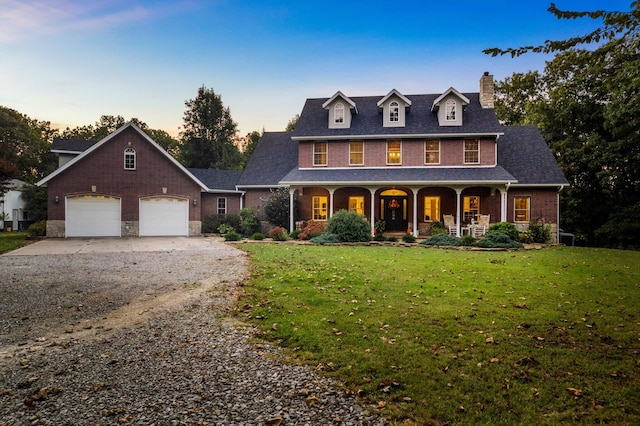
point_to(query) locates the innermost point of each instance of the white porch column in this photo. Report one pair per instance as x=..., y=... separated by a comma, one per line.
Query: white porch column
x=415, y=212
x=291, y=221
x=373, y=210
x=331, y=191
x=458, y=208
x=503, y=205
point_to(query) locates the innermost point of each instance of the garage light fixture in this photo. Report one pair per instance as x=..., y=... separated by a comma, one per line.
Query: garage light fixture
x=57, y=200
x=195, y=202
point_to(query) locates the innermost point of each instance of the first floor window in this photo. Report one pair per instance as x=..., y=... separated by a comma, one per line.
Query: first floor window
x=356, y=205
x=319, y=208
x=521, y=209
x=356, y=153
x=471, y=208
x=432, y=152
x=394, y=152
x=471, y=151
x=222, y=205
x=320, y=154
x=129, y=159
x=431, y=208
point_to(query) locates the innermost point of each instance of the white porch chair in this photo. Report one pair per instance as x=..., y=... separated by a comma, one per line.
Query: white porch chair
x=481, y=227
x=450, y=224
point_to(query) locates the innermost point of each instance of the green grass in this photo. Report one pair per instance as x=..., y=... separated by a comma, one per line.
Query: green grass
x=436, y=336
x=11, y=241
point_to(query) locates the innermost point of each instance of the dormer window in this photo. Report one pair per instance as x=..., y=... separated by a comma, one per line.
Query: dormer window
x=394, y=112
x=129, y=159
x=450, y=110
x=338, y=113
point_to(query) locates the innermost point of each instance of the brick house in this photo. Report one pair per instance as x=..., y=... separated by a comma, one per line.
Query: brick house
x=406, y=159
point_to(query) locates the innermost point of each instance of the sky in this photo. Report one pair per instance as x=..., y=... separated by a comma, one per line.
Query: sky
x=71, y=61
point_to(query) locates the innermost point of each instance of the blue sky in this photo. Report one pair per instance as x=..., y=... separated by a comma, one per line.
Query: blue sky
x=71, y=61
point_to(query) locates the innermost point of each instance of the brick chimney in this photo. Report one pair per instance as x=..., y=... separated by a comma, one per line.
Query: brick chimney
x=486, y=90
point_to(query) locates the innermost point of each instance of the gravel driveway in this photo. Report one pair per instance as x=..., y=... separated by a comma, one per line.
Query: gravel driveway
x=99, y=337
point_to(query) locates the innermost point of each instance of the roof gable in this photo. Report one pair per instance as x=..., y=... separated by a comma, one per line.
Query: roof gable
x=394, y=92
x=450, y=90
x=341, y=95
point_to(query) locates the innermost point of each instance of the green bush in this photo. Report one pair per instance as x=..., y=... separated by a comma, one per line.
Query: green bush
x=437, y=227
x=496, y=239
x=258, y=236
x=540, y=233
x=326, y=238
x=276, y=207
x=232, y=236
x=224, y=229
x=294, y=235
x=349, y=226
x=506, y=228
x=211, y=223
x=442, y=240
x=249, y=223
x=409, y=238
x=525, y=237
x=278, y=234
x=468, y=240
x=312, y=229
x=37, y=229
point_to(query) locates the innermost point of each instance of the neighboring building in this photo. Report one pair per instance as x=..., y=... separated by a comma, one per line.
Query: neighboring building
x=14, y=216
x=404, y=159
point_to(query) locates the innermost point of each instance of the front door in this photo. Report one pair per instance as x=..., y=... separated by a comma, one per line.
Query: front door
x=394, y=212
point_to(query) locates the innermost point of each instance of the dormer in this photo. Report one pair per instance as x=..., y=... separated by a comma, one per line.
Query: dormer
x=340, y=109
x=449, y=107
x=394, y=107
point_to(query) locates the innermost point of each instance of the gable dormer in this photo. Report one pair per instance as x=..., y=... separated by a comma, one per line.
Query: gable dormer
x=394, y=107
x=341, y=109
x=449, y=107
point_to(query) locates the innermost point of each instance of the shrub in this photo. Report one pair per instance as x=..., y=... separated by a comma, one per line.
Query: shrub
x=258, y=236
x=276, y=207
x=224, y=229
x=442, y=240
x=540, y=233
x=211, y=223
x=349, y=226
x=379, y=227
x=525, y=237
x=496, y=239
x=279, y=234
x=37, y=229
x=249, y=223
x=409, y=238
x=437, y=227
x=232, y=236
x=505, y=228
x=313, y=229
x=467, y=240
x=379, y=237
x=294, y=235
x=390, y=239
x=326, y=238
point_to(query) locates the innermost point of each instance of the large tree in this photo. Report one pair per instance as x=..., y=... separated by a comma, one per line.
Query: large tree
x=587, y=104
x=209, y=133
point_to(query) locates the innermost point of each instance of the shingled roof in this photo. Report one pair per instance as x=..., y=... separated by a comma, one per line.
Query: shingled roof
x=217, y=180
x=275, y=155
x=71, y=146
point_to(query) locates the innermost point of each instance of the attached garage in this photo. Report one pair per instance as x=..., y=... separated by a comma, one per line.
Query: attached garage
x=164, y=216
x=92, y=216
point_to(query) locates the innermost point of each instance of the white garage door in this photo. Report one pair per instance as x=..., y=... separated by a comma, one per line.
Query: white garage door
x=92, y=216
x=164, y=216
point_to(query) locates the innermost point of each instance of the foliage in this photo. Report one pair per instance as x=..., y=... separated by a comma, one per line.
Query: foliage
x=278, y=234
x=37, y=229
x=35, y=201
x=587, y=104
x=295, y=233
x=409, y=238
x=506, y=228
x=248, y=146
x=232, y=236
x=379, y=227
x=349, y=226
x=211, y=223
x=437, y=227
x=258, y=236
x=526, y=237
x=495, y=239
x=468, y=240
x=276, y=207
x=249, y=223
x=312, y=229
x=459, y=337
x=209, y=133
x=291, y=125
x=540, y=233
x=326, y=238
x=442, y=240
x=11, y=241
x=225, y=228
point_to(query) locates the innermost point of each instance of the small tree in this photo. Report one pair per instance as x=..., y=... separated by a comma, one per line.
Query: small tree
x=349, y=226
x=249, y=223
x=277, y=207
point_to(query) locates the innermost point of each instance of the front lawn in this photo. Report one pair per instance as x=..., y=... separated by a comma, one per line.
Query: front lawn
x=11, y=241
x=433, y=336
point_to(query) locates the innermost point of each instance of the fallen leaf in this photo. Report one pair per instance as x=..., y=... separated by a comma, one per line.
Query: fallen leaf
x=275, y=421
x=575, y=392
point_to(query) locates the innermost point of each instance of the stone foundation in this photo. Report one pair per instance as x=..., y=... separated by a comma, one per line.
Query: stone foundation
x=195, y=228
x=55, y=228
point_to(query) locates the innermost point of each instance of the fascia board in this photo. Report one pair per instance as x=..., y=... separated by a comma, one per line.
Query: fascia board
x=395, y=136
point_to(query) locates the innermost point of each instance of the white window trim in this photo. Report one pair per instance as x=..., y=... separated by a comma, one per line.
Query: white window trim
x=394, y=111
x=218, y=205
x=450, y=102
x=528, y=209
x=356, y=164
x=439, y=152
x=464, y=151
x=130, y=152
x=326, y=154
x=313, y=208
x=387, y=154
x=338, y=113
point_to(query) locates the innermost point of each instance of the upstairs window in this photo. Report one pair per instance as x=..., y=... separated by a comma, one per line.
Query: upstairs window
x=394, y=112
x=471, y=151
x=394, y=152
x=320, y=154
x=129, y=159
x=338, y=113
x=356, y=153
x=450, y=110
x=432, y=152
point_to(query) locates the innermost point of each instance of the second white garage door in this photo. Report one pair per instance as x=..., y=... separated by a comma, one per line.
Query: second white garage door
x=164, y=216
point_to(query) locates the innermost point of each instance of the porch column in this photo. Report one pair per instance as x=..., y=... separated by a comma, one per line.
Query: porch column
x=331, y=191
x=373, y=210
x=503, y=205
x=415, y=212
x=458, y=193
x=291, y=221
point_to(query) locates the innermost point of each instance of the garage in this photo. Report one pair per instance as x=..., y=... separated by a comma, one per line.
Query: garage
x=92, y=216
x=164, y=216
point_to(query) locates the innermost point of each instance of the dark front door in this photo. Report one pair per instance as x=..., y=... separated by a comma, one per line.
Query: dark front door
x=394, y=212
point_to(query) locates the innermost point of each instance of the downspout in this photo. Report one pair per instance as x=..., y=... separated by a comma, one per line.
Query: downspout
x=558, y=214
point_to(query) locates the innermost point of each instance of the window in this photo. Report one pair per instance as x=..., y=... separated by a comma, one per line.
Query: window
x=222, y=205
x=394, y=152
x=432, y=152
x=338, y=113
x=471, y=208
x=471, y=151
x=394, y=112
x=356, y=153
x=450, y=110
x=129, y=159
x=320, y=154
x=356, y=205
x=319, y=208
x=431, y=208
x=521, y=209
